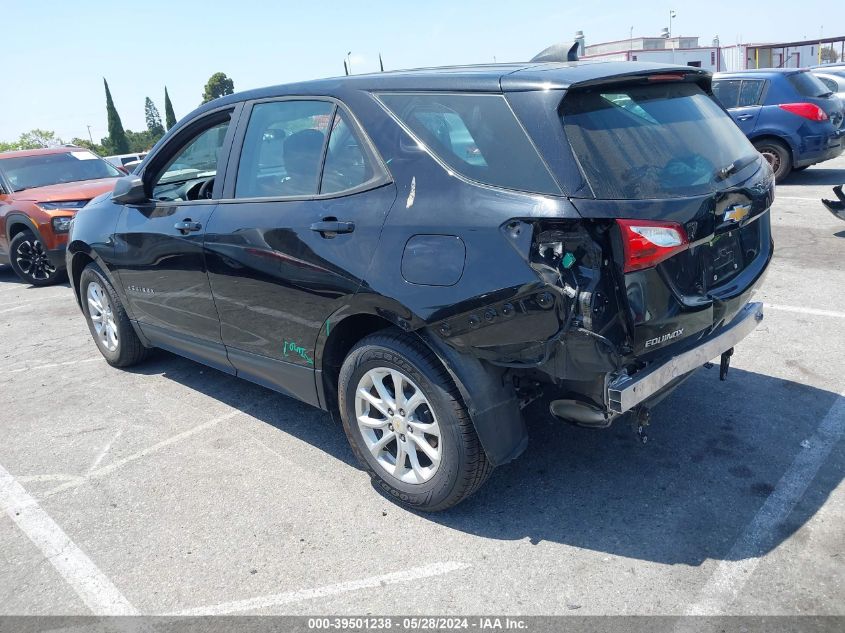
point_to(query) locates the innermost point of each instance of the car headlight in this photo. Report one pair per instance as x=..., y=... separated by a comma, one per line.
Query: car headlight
x=61, y=224
x=62, y=204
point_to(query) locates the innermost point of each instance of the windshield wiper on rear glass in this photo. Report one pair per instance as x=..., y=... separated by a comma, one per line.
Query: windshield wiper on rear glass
x=734, y=167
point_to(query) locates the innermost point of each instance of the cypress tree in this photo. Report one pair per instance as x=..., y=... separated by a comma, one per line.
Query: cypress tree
x=151, y=115
x=169, y=116
x=118, y=143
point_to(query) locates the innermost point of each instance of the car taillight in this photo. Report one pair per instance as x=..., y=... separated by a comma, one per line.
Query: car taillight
x=646, y=243
x=807, y=110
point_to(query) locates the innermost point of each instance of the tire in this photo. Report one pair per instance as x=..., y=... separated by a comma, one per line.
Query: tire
x=29, y=260
x=778, y=155
x=110, y=327
x=440, y=420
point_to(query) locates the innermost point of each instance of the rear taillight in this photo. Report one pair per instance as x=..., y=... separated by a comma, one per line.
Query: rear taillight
x=646, y=243
x=807, y=110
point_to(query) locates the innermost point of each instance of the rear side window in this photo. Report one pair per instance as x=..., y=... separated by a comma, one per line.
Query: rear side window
x=807, y=85
x=831, y=85
x=653, y=141
x=477, y=135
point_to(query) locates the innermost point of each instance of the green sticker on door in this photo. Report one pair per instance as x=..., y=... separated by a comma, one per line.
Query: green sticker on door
x=293, y=348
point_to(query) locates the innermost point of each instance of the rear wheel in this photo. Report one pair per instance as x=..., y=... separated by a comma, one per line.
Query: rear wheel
x=407, y=423
x=113, y=333
x=30, y=262
x=778, y=156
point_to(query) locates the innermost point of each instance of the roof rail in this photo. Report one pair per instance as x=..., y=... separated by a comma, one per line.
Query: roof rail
x=558, y=53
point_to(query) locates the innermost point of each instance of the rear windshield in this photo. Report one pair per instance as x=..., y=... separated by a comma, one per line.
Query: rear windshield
x=26, y=172
x=477, y=135
x=808, y=85
x=653, y=141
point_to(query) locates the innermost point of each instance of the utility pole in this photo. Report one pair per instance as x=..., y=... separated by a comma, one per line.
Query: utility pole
x=349, y=62
x=630, y=43
x=90, y=138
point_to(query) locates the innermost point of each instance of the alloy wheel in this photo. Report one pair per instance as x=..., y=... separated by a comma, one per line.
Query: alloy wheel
x=32, y=260
x=102, y=316
x=398, y=425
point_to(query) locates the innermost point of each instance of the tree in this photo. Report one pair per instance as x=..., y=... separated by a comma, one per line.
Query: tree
x=218, y=85
x=169, y=115
x=153, y=118
x=117, y=142
x=828, y=55
x=38, y=138
x=34, y=139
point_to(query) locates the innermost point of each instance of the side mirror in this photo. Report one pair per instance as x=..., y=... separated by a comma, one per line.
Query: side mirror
x=129, y=190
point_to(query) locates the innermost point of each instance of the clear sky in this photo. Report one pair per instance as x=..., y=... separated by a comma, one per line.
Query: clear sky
x=56, y=52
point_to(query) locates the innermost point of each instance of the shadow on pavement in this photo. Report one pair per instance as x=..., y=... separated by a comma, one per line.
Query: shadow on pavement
x=816, y=175
x=715, y=453
x=8, y=278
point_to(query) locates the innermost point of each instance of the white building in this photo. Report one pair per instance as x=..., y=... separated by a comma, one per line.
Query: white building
x=687, y=51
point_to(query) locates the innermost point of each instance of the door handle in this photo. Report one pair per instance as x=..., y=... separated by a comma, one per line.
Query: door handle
x=745, y=117
x=187, y=225
x=331, y=227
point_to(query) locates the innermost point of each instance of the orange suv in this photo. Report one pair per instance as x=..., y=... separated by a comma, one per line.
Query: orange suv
x=40, y=192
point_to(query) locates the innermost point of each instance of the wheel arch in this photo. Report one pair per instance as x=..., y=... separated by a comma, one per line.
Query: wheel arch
x=772, y=136
x=488, y=396
x=79, y=256
x=18, y=222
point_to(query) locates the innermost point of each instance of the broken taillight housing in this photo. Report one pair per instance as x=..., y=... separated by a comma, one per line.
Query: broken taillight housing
x=807, y=110
x=646, y=243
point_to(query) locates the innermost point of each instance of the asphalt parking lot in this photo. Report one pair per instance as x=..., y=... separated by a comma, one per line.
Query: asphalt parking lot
x=174, y=488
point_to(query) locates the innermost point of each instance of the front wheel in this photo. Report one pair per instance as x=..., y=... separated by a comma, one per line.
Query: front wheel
x=107, y=320
x=777, y=155
x=30, y=262
x=407, y=424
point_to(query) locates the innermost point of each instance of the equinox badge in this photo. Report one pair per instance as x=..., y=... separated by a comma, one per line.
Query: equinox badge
x=662, y=339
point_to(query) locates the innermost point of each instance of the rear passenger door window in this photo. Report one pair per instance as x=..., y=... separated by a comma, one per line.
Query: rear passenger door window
x=286, y=152
x=750, y=92
x=283, y=149
x=348, y=164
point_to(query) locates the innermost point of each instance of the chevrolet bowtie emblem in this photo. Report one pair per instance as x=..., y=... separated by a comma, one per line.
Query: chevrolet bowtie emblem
x=737, y=213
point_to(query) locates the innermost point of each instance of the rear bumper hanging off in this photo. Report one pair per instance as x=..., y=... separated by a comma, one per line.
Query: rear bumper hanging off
x=625, y=392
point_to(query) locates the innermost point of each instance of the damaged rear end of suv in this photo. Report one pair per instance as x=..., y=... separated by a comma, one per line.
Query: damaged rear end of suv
x=628, y=261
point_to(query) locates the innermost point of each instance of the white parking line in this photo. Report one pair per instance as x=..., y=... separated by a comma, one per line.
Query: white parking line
x=779, y=197
x=11, y=309
x=800, y=310
x=96, y=590
x=50, y=365
x=732, y=573
x=173, y=439
x=103, y=452
x=275, y=600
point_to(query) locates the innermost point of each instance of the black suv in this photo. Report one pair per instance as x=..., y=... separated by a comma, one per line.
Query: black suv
x=425, y=252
